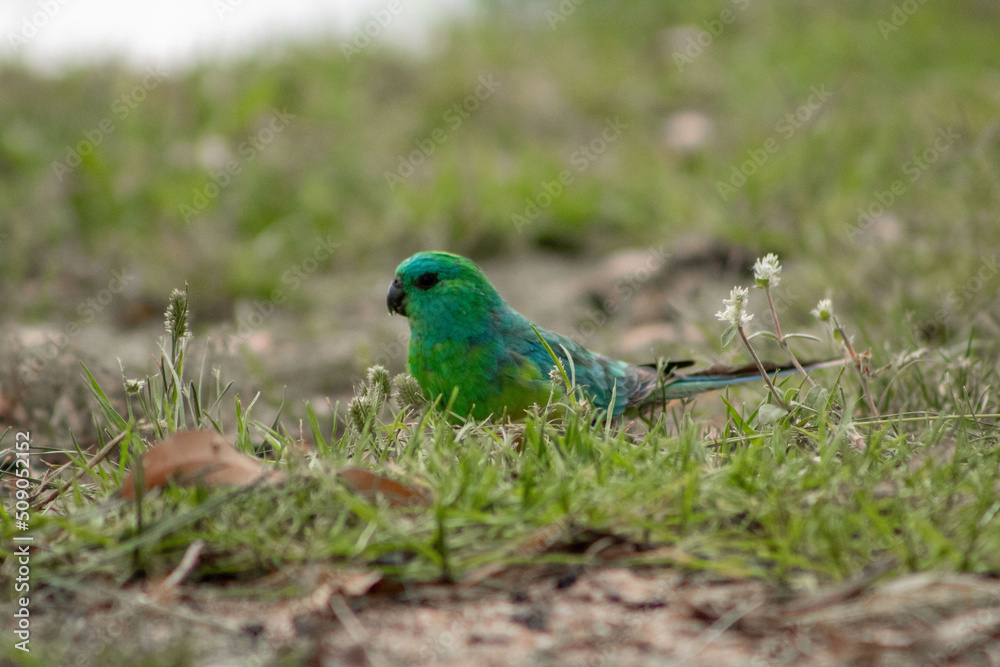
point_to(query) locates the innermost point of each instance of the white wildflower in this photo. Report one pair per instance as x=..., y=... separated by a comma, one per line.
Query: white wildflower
x=767, y=271
x=736, y=308
x=823, y=310
x=134, y=386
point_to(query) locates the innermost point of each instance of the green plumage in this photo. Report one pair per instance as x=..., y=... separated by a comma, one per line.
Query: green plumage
x=464, y=339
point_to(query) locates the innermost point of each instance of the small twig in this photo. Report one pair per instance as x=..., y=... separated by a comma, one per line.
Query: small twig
x=770, y=385
x=347, y=618
x=187, y=564
x=858, y=363
x=353, y=626
x=850, y=589
x=781, y=339
x=144, y=602
x=716, y=629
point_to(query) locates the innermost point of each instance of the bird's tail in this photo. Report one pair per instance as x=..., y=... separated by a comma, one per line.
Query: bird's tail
x=720, y=377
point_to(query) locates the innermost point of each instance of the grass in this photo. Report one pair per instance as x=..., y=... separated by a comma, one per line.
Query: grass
x=790, y=499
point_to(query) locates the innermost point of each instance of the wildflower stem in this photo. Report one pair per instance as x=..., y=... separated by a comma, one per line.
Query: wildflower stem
x=781, y=339
x=859, y=364
x=770, y=385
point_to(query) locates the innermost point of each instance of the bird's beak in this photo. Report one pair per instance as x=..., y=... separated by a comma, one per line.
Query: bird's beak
x=396, y=299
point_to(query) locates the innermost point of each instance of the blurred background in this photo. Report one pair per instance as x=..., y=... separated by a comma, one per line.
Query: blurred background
x=615, y=168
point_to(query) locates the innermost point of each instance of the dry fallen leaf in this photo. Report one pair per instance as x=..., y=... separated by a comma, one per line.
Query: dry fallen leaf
x=357, y=584
x=370, y=485
x=197, y=457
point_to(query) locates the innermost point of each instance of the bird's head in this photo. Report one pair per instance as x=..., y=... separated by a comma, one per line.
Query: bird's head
x=441, y=289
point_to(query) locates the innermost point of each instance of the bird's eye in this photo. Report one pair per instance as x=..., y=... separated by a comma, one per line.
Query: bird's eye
x=426, y=280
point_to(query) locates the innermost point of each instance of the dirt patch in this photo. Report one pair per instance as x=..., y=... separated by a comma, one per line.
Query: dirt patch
x=539, y=614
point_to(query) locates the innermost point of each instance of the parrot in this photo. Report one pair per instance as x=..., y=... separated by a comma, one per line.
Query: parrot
x=469, y=348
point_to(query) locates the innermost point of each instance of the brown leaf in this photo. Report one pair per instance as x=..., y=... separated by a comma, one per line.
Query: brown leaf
x=358, y=584
x=197, y=457
x=370, y=485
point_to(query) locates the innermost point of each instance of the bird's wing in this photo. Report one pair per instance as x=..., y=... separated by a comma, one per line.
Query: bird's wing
x=600, y=377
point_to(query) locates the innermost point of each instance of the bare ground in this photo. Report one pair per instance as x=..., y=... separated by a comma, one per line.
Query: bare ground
x=537, y=615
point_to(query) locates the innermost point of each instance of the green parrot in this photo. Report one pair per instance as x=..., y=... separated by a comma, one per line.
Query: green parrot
x=464, y=335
